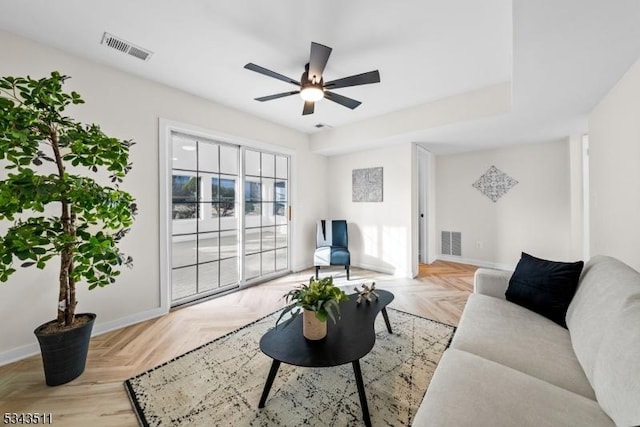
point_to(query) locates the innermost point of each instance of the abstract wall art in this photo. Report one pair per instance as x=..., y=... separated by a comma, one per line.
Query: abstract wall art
x=494, y=183
x=366, y=185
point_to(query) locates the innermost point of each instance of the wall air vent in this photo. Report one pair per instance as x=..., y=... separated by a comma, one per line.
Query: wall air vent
x=451, y=243
x=125, y=47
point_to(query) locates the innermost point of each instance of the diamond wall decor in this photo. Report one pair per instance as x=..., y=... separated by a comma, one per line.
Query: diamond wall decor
x=494, y=183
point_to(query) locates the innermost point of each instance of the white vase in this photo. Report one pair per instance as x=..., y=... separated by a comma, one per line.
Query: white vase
x=313, y=328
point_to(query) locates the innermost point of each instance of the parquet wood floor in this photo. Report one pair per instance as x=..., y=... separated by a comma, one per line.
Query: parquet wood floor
x=97, y=397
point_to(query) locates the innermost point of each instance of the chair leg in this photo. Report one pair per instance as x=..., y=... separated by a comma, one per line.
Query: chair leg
x=317, y=271
x=347, y=268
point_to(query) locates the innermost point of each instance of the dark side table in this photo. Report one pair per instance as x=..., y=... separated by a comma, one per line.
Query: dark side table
x=347, y=341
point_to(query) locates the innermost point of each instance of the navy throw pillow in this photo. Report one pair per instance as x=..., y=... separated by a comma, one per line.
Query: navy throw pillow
x=546, y=287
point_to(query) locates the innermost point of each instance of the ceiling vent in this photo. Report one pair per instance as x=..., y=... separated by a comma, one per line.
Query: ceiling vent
x=125, y=47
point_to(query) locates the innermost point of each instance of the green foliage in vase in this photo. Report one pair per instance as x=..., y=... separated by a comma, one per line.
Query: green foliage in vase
x=320, y=296
x=38, y=147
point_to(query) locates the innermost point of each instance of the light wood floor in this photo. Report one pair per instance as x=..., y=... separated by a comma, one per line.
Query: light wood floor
x=97, y=397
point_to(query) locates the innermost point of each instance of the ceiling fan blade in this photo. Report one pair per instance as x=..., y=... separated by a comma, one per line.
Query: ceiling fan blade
x=266, y=72
x=308, y=108
x=356, y=80
x=342, y=100
x=276, y=96
x=318, y=60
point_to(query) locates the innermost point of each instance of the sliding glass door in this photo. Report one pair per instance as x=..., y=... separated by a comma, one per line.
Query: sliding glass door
x=224, y=237
x=266, y=227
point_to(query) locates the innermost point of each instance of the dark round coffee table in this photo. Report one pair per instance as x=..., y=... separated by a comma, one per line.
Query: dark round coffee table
x=347, y=341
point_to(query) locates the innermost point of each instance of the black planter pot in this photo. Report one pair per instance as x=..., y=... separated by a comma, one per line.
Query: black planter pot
x=64, y=354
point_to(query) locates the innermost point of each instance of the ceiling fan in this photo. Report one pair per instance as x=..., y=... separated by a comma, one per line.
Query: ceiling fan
x=312, y=87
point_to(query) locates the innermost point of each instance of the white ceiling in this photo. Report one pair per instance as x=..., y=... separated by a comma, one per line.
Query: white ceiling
x=560, y=55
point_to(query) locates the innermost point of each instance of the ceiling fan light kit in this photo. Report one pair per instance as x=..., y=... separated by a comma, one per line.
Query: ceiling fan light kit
x=312, y=93
x=311, y=85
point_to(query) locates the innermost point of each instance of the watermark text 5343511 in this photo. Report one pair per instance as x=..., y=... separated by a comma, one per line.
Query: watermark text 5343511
x=27, y=418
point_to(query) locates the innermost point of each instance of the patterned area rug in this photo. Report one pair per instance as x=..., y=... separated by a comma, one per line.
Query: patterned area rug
x=220, y=383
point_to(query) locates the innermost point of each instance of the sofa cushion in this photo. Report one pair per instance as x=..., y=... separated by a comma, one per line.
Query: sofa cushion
x=520, y=339
x=468, y=390
x=617, y=369
x=545, y=287
x=605, y=288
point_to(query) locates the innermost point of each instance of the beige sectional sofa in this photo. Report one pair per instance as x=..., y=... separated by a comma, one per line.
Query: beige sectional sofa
x=508, y=366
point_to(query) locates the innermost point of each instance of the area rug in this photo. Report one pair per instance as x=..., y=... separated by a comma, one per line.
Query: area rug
x=220, y=383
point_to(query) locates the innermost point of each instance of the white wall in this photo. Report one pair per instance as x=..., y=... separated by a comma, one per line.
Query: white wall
x=380, y=236
x=534, y=216
x=614, y=162
x=129, y=107
x=311, y=202
x=576, y=192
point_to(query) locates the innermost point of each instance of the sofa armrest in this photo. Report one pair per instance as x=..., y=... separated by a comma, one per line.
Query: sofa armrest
x=491, y=282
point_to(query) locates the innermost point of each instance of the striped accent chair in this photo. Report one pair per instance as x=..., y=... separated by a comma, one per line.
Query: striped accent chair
x=332, y=245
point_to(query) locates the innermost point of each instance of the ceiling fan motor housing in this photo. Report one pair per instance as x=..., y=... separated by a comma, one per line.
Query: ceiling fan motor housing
x=312, y=80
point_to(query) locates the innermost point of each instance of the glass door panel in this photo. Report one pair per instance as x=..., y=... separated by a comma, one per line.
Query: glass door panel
x=268, y=238
x=268, y=165
x=184, y=251
x=282, y=259
x=282, y=236
x=208, y=155
x=204, y=215
x=252, y=266
x=282, y=167
x=251, y=163
x=229, y=271
x=281, y=201
x=208, y=247
x=229, y=160
x=208, y=276
x=183, y=283
x=268, y=262
x=266, y=214
x=252, y=241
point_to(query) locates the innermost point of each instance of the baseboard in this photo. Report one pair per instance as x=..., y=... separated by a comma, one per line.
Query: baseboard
x=29, y=350
x=477, y=262
x=19, y=353
x=363, y=266
x=299, y=268
x=377, y=268
x=103, y=328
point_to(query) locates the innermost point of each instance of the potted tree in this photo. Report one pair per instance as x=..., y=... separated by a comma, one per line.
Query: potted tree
x=318, y=301
x=56, y=211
